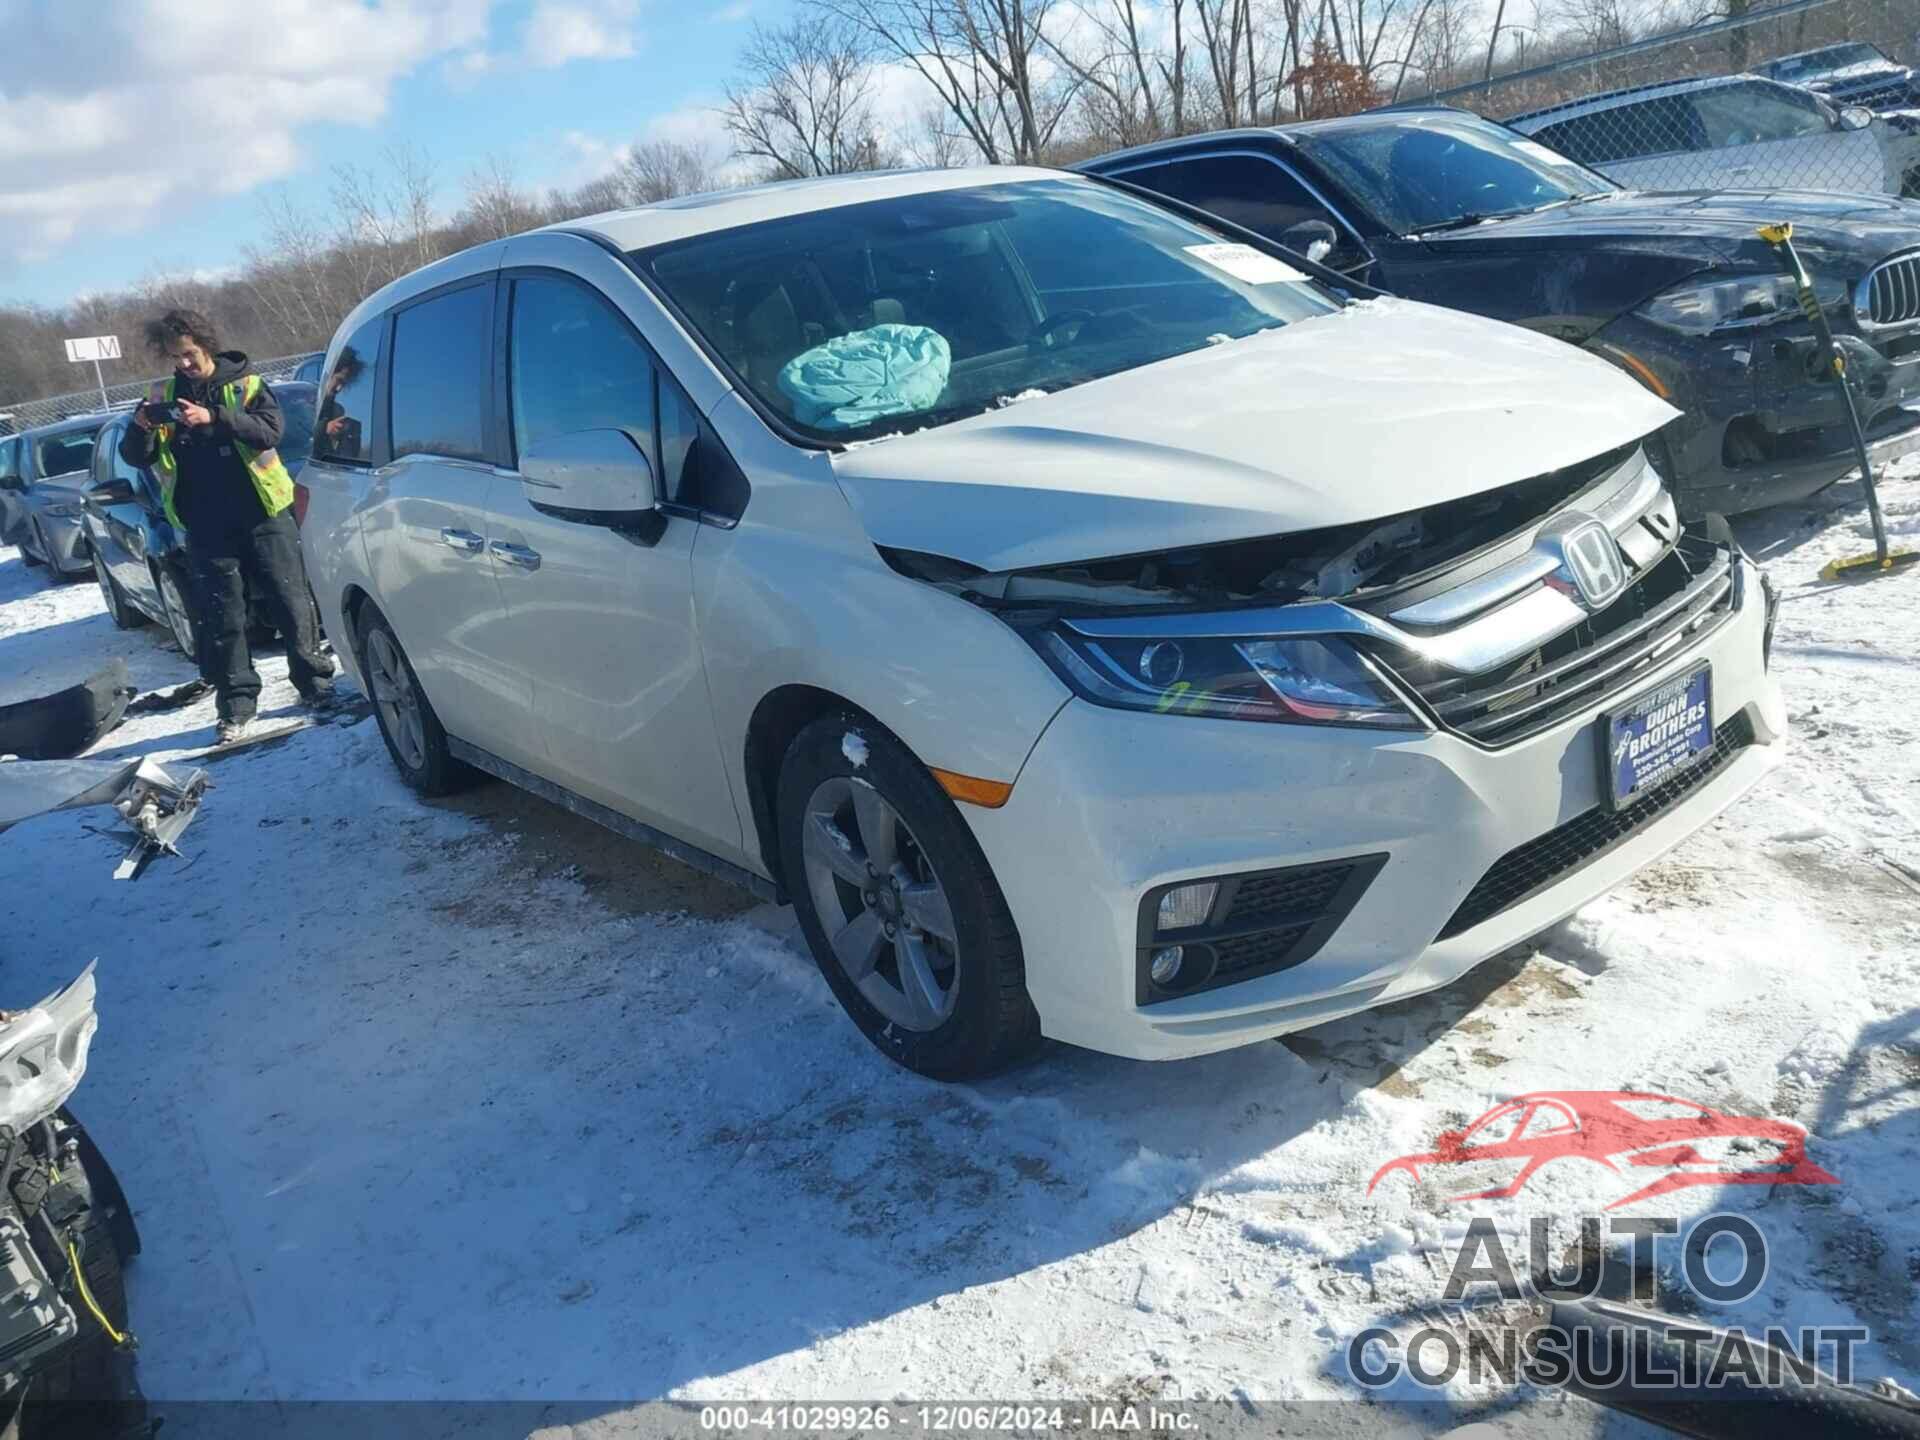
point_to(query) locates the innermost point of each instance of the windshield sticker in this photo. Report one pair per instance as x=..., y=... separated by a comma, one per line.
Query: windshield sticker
x=1243, y=262
x=1540, y=152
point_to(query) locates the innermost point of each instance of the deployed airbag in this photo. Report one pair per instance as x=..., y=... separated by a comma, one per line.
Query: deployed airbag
x=861, y=376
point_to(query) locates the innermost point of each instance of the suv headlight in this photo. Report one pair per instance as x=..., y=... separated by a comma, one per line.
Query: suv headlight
x=1293, y=680
x=65, y=512
x=1733, y=304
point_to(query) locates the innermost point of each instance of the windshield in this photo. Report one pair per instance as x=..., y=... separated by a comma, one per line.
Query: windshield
x=1838, y=57
x=900, y=314
x=64, y=453
x=1422, y=171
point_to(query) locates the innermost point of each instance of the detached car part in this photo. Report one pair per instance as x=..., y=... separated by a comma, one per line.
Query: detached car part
x=67, y=722
x=157, y=804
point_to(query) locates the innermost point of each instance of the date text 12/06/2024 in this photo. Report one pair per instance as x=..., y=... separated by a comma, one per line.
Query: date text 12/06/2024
x=958, y=1418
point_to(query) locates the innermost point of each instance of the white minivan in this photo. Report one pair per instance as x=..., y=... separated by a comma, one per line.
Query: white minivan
x=1095, y=626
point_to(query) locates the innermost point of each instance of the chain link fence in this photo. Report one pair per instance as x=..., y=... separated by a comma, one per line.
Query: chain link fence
x=19, y=415
x=1809, y=95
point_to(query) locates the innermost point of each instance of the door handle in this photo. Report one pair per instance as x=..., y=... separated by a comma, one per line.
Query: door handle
x=516, y=554
x=464, y=541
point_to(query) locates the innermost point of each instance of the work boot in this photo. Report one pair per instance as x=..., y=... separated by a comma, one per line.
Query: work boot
x=320, y=698
x=229, y=731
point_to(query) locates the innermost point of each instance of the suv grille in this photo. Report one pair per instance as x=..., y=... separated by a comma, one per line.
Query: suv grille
x=1530, y=868
x=1892, y=292
x=1680, y=600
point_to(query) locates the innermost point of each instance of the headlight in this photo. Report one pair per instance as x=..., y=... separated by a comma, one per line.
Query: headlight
x=64, y=512
x=1296, y=680
x=1732, y=304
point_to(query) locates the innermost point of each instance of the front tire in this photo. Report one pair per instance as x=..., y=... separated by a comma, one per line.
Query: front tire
x=899, y=905
x=35, y=536
x=414, y=736
x=123, y=615
x=180, y=622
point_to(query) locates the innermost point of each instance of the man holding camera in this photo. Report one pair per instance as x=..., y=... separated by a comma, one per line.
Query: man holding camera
x=208, y=436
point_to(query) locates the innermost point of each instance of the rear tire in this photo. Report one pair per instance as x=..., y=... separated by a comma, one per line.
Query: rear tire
x=415, y=738
x=123, y=615
x=975, y=1017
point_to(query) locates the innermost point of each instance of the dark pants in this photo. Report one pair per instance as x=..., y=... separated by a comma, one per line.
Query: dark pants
x=265, y=560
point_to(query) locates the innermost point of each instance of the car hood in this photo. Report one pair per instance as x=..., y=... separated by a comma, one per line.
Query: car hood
x=1850, y=75
x=1845, y=233
x=1381, y=408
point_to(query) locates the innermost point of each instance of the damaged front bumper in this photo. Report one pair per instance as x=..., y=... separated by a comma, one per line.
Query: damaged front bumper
x=1403, y=858
x=1764, y=420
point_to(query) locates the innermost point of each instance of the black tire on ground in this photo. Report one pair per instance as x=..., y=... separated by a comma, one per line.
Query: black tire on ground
x=992, y=1023
x=90, y=1390
x=123, y=615
x=28, y=540
x=180, y=621
x=436, y=772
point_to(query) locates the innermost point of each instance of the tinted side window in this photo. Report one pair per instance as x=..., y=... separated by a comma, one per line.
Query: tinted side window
x=440, y=370
x=346, y=411
x=1245, y=189
x=64, y=454
x=9, y=459
x=574, y=364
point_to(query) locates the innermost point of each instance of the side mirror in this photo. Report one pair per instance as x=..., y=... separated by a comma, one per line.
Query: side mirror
x=116, y=491
x=1314, y=239
x=1855, y=117
x=595, y=477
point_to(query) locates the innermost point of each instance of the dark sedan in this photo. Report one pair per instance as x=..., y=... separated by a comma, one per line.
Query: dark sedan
x=1676, y=288
x=40, y=495
x=1855, y=73
x=139, y=558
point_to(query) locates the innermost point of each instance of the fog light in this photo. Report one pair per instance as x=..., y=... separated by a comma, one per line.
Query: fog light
x=1166, y=964
x=1187, y=906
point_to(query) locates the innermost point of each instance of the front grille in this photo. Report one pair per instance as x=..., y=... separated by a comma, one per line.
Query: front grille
x=1892, y=292
x=1263, y=922
x=1884, y=95
x=1267, y=951
x=1530, y=868
x=1302, y=890
x=1677, y=602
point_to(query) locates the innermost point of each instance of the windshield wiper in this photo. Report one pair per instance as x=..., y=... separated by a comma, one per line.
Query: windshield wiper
x=1459, y=222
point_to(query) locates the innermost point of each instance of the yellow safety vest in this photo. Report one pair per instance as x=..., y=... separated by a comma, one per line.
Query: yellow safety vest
x=270, y=479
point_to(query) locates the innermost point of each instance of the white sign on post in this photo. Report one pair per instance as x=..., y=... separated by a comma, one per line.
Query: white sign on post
x=94, y=347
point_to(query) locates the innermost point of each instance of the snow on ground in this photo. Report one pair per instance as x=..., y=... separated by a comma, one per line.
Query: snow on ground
x=405, y=1117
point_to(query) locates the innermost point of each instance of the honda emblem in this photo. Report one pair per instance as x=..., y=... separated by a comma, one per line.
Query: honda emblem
x=1589, y=555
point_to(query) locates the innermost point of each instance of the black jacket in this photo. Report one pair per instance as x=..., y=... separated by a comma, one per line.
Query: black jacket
x=214, y=494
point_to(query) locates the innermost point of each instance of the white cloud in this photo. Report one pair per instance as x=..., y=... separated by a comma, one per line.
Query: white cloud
x=732, y=14
x=112, y=115
x=562, y=30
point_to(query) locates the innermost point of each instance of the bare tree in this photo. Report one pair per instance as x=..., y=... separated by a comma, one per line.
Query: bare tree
x=987, y=60
x=495, y=205
x=1132, y=90
x=800, y=102
x=661, y=169
x=1226, y=35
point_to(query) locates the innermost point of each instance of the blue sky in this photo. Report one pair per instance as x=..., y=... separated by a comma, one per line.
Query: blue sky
x=542, y=84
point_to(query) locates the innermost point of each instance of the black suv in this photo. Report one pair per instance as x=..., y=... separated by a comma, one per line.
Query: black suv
x=1677, y=288
x=1855, y=73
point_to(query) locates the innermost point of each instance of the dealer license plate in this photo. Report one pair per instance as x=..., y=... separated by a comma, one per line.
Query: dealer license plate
x=1655, y=736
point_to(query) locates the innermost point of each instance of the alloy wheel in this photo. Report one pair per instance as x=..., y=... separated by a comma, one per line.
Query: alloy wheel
x=883, y=908
x=396, y=699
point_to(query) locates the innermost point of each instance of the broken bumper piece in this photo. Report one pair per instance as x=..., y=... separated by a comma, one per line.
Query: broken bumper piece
x=156, y=804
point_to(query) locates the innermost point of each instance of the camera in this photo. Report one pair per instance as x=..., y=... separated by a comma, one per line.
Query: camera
x=161, y=412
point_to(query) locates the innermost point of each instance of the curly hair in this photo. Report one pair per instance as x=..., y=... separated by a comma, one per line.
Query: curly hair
x=175, y=324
